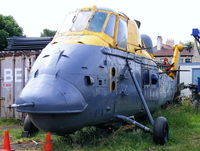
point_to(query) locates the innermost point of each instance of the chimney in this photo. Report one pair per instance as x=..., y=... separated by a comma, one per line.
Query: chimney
x=159, y=43
x=170, y=42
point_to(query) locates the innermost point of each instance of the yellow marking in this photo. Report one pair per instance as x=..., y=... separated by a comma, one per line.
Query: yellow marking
x=116, y=81
x=102, y=39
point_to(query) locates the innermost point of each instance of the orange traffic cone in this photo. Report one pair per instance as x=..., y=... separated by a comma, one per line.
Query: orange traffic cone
x=6, y=142
x=48, y=145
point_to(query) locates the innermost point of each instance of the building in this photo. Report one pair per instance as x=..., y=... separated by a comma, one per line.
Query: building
x=188, y=61
x=165, y=50
x=190, y=76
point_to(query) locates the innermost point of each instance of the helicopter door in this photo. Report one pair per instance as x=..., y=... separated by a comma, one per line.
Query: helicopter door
x=127, y=102
x=150, y=87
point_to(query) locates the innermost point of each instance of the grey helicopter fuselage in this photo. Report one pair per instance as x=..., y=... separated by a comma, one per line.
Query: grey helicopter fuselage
x=76, y=85
x=97, y=70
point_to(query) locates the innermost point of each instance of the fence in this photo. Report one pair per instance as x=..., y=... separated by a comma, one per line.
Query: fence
x=15, y=65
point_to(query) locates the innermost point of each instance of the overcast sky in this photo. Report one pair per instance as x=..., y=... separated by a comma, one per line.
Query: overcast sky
x=172, y=19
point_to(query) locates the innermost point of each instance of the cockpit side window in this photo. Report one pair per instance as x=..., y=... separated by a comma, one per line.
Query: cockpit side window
x=122, y=33
x=67, y=24
x=111, y=26
x=80, y=21
x=97, y=21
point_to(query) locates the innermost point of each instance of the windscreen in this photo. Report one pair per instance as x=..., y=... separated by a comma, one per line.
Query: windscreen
x=82, y=20
x=75, y=21
x=97, y=21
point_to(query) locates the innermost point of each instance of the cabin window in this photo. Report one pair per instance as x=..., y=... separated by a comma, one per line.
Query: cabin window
x=80, y=20
x=154, y=79
x=97, y=21
x=146, y=79
x=122, y=33
x=113, y=72
x=111, y=26
x=113, y=86
x=113, y=79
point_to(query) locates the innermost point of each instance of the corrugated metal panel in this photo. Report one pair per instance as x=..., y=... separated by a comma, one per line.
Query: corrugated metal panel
x=15, y=65
x=14, y=70
x=28, y=43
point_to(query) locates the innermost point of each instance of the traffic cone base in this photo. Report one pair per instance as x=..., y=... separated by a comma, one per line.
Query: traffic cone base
x=6, y=142
x=48, y=145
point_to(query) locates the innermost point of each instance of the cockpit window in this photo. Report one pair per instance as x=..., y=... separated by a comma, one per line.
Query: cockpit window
x=97, y=21
x=75, y=21
x=110, y=26
x=122, y=33
x=80, y=21
x=67, y=24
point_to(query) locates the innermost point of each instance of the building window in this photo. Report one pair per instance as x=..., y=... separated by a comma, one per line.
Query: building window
x=181, y=60
x=187, y=60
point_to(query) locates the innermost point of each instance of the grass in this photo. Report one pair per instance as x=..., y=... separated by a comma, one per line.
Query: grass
x=9, y=121
x=183, y=120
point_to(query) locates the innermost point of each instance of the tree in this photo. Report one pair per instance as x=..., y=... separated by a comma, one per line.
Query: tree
x=47, y=33
x=8, y=28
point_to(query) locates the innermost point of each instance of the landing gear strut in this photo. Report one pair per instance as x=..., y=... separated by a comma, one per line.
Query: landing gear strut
x=160, y=126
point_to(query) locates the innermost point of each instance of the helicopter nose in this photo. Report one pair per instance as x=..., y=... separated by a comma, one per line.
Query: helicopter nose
x=50, y=95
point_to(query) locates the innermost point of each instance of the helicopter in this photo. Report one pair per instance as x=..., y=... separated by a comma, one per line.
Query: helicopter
x=97, y=70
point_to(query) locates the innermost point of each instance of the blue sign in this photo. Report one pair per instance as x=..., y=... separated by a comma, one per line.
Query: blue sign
x=198, y=87
x=195, y=75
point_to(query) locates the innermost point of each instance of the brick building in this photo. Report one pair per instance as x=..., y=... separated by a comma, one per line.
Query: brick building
x=165, y=50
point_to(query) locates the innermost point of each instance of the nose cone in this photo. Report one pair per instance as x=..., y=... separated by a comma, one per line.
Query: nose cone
x=51, y=95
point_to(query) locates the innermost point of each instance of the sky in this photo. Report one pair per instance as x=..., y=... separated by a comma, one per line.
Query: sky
x=171, y=19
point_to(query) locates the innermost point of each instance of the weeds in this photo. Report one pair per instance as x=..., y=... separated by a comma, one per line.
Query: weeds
x=9, y=121
x=184, y=123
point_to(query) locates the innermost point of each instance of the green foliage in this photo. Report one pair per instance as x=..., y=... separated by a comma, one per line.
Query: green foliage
x=8, y=28
x=9, y=121
x=184, y=124
x=48, y=33
x=186, y=43
x=192, y=44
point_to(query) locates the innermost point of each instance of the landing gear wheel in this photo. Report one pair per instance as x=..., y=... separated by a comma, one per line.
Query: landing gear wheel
x=160, y=131
x=29, y=128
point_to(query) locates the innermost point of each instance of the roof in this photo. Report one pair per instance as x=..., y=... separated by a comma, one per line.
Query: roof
x=167, y=51
x=27, y=43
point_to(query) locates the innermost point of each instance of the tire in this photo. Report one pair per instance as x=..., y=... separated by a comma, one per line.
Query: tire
x=29, y=126
x=160, y=131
